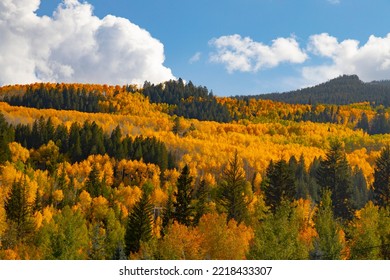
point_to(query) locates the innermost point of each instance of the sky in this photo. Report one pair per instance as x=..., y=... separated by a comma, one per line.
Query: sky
x=233, y=47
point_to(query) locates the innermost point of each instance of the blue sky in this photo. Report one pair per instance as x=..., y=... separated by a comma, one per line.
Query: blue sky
x=231, y=46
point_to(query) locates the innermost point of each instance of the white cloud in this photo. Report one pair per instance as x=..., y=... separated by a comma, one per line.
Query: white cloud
x=246, y=55
x=334, y=2
x=195, y=58
x=324, y=58
x=73, y=45
x=370, y=61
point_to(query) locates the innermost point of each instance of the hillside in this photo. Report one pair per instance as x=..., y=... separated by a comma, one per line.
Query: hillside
x=339, y=91
x=124, y=172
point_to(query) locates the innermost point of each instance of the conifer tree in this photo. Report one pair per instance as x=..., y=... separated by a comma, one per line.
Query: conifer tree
x=6, y=136
x=382, y=178
x=280, y=184
x=18, y=209
x=232, y=191
x=201, y=204
x=139, y=224
x=93, y=184
x=183, y=208
x=334, y=174
x=168, y=212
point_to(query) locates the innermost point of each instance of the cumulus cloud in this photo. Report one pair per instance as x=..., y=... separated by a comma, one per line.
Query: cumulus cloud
x=73, y=45
x=246, y=55
x=370, y=61
x=323, y=58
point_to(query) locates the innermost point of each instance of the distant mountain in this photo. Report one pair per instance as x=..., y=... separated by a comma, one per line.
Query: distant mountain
x=340, y=91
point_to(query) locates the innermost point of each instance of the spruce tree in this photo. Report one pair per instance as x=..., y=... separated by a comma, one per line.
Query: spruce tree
x=139, y=224
x=18, y=209
x=6, y=136
x=279, y=185
x=382, y=178
x=93, y=184
x=363, y=123
x=334, y=174
x=232, y=191
x=168, y=213
x=201, y=203
x=183, y=208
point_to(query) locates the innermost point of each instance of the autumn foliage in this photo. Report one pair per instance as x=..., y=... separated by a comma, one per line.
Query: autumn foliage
x=71, y=175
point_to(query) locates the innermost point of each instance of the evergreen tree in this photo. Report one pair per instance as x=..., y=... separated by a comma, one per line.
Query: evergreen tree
x=75, y=143
x=232, y=191
x=201, y=203
x=116, y=150
x=363, y=123
x=19, y=210
x=183, y=208
x=302, y=179
x=327, y=246
x=168, y=212
x=93, y=184
x=314, y=188
x=380, y=124
x=280, y=184
x=334, y=174
x=382, y=178
x=6, y=136
x=139, y=224
x=360, y=193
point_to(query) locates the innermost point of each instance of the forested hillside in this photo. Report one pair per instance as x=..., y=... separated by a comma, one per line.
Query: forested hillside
x=170, y=171
x=339, y=91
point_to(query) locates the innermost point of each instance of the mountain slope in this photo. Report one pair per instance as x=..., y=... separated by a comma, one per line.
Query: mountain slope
x=340, y=91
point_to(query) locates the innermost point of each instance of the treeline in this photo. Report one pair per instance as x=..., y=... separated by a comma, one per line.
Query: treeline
x=60, y=97
x=339, y=91
x=189, y=101
x=330, y=114
x=380, y=124
x=81, y=141
x=291, y=180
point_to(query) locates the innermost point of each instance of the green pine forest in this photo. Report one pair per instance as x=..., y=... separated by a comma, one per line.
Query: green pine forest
x=173, y=172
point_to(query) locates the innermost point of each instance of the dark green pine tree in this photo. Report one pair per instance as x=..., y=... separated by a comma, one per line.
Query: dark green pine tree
x=116, y=150
x=6, y=136
x=18, y=210
x=200, y=208
x=139, y=224
x=302, y=179
x=334, y=174
x=74, y=145
x=360, y=193
x=168, y=213
x=93, y=184
x=279, y=185
x=382, y=178
x=363, y=123
x=232, y=191
x=183, y=208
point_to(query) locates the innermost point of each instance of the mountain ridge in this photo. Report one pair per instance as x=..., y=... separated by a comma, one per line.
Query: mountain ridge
x=343, y=90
